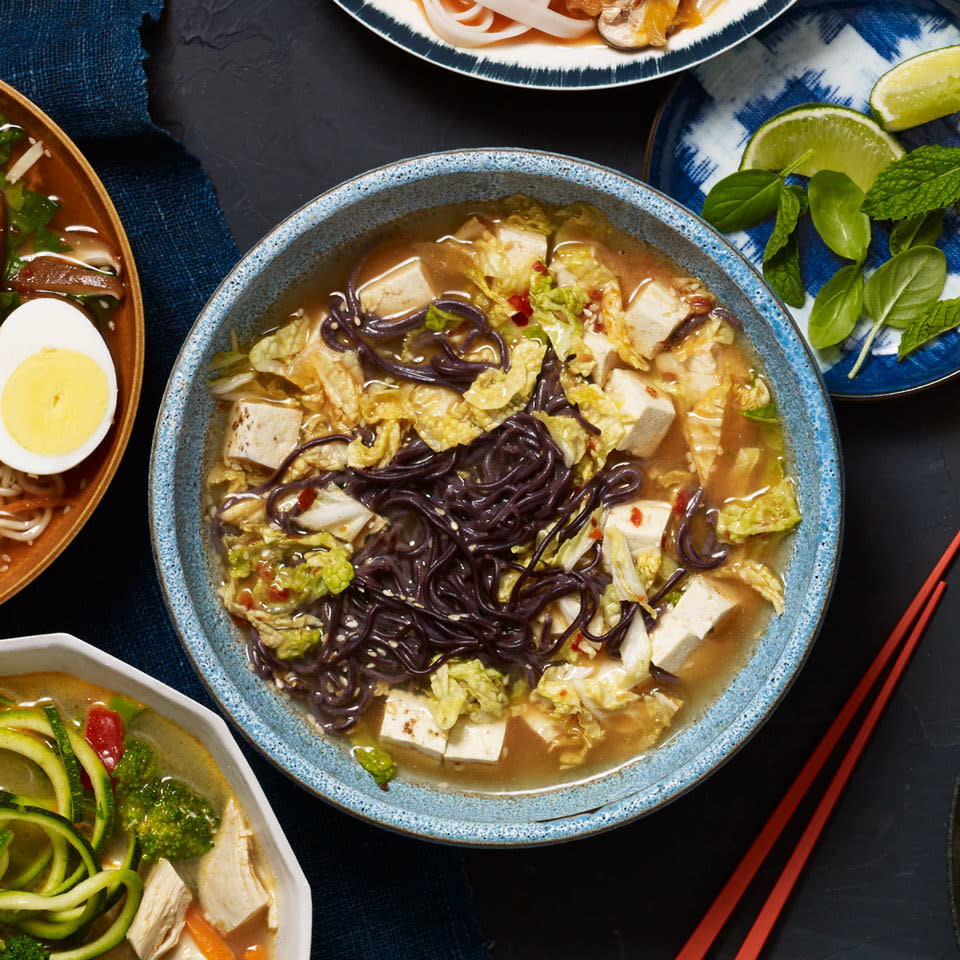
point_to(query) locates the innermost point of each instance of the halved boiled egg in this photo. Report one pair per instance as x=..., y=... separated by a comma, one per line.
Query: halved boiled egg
x=58, y=387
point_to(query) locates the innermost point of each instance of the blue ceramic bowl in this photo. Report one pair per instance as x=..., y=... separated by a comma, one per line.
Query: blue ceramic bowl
x=189, y=572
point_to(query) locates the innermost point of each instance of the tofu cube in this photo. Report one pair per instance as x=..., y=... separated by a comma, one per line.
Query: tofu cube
x=702, y=606
x=338, y=513
x=159, y=920
x=671, y=642
x=679, y=631
x=405, y=288
x=642, y=523
x=523, y=247
x=542, y=725
x=471, y=742
x=408, y=722
x=261, y=433
x=650, y=413
x=604, y=353
x=655, y=311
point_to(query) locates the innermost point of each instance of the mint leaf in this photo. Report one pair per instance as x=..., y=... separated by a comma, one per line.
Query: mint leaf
x=835, y=202
x=940, y=318
x=837, y=307
x=926, y=179
x=788, y=214
x=782, y=272
x=905, y=286
x=915, y=232
x=742, y=200
x=765, y=414
x=801, y=195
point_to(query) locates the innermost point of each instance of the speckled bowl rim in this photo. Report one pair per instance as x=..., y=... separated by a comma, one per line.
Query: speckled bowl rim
x=191, y=632
x=472, y=63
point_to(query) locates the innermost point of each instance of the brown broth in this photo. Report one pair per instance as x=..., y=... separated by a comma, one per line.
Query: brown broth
x=181, y=755
x=526, y=763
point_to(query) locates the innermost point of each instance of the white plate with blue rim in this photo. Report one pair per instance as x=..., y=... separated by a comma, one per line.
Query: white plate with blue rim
x=534, y=60
x=821, y=50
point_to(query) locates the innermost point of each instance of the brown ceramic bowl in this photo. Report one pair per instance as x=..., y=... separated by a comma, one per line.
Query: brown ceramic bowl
x=87, y=202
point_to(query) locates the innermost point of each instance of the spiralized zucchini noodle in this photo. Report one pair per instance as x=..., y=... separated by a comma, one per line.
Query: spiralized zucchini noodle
x=22, y=518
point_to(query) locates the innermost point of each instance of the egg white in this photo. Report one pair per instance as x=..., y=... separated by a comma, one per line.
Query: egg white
x=52, y=322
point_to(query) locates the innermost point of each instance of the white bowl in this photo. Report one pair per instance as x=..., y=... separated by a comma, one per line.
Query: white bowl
x=63, y=653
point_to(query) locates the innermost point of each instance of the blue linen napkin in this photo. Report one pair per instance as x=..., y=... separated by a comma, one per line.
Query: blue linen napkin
x=376, y=895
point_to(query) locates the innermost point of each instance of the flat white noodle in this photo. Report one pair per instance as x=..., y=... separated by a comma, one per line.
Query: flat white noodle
x=539, y=16
x=449, y=26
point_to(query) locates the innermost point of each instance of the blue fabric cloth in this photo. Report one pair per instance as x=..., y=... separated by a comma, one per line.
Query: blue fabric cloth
x=376, y=895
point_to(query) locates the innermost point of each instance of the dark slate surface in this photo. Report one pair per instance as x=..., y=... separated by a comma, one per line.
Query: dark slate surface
x=282, y=99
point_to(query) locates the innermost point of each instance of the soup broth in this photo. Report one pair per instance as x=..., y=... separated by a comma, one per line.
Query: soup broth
x=503, y=493
x=182, y=758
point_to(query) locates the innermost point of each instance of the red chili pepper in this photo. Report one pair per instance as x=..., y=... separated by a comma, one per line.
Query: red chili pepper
x=306, y=498
x=595, y=534
x=277, y=594
x=680, y=501
x=521, y=303
x=540, y=267
x=669, y=376
x=592, y=443
x=104, y=732
x=245, y=599
x=636, y=517
x=265, y=570
x=520, y=320
x=576, y=644
x=652, y=392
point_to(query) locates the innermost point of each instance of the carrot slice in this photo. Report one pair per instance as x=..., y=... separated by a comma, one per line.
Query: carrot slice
x=33, y=503
x=255, y=953
x=208, y=940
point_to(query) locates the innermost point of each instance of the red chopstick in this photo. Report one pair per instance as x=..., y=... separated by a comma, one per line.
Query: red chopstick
x=767, y=917
x=712, y=923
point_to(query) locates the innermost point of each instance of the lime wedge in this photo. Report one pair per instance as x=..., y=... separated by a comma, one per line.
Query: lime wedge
x=831, y=137
x=918, y=90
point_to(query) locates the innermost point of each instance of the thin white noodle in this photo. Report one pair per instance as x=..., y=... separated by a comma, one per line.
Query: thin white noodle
x=538, y=15
x=26, y=526
x=29, y=157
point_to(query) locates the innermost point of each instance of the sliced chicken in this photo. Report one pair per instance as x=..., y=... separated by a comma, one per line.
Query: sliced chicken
x=230, y=890
x=159, y=921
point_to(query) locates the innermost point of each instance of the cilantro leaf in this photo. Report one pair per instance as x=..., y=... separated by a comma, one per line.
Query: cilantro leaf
x=10, y=133
x=34, y=210
x=926, y=179
x=46, y=241
x=782, y=272
x=940, y=318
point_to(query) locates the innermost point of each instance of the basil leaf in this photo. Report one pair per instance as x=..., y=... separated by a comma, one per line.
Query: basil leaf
x=801, y=195
x=782, y=272
x=916, y=232
x=905, y=285
x=926, y=179
x=742, y=200
x=940, y=318
x=837, y=307
x=788, y=214
x=835, y=202
x=764, y=414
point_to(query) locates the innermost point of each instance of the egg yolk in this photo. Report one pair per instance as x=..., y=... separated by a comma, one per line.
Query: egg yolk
x=54, y=401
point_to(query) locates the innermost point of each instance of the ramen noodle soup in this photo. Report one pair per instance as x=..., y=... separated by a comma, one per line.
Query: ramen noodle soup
x=502, y=496
x=119, y=837
x=60, y=279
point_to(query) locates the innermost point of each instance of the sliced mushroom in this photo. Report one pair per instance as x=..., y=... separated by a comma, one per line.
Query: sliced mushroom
x=54, y=275
x=633, y=24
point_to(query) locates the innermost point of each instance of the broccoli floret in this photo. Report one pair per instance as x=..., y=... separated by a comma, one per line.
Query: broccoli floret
x=165, y=815
x=24, y=948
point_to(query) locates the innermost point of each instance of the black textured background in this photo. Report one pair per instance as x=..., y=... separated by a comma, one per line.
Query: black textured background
x=282, y=99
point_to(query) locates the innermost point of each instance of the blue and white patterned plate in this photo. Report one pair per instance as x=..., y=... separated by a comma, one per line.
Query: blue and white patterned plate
x=821, y=50
x=558, y=66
